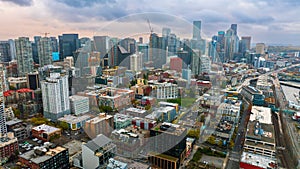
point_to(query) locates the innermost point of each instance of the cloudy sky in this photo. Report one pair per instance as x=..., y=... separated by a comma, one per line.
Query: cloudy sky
x=269, y=21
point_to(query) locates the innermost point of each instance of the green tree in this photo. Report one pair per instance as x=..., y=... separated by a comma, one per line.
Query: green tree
x=17, y=112
x=220, y=143
x=195, y=133
x=63, y=125
x=148, y=107
x=211, y=140
x=231, y=144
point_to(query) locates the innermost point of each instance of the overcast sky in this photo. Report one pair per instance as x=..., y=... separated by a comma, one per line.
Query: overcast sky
x=269, y=21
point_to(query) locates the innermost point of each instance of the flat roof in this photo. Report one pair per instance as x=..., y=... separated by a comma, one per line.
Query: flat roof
x=101, y=117
x=39, y=159
x=74, y=119
x=262, y=114
x=178, y=130
x=256, y=160
x=136, y=110
x=13, y=122
x=46, y=128
x=260, y=131
x=77, y=97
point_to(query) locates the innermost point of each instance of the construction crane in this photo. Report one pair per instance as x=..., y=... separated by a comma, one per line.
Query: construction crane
x=150, y=28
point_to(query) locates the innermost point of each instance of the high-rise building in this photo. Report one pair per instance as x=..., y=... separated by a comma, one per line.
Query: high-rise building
x=5, y=51
x=101, y=44
x=136, y=62
x=234, y=28
x=79, y=104
x=245, y=44
x=196, y=63
x=12, y=49
x=35, y=51
x=197, y=30
x=230, y=44
x=54, y=44
x=128, y=44
x=144, y=49
x=172, y=44
x=24, y=55
x=166, y=32
x=44, y=46
x=260, y=48
x=68, y=44
x=33, y=82
x=186, y=74
x=55, y=91
x=3, y=129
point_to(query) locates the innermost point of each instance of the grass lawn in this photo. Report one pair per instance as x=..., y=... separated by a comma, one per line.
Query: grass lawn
x=187, y=102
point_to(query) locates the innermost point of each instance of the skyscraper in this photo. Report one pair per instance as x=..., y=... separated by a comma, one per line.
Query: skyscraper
x=136, y=62
x=5, y=51
x=44, y=47
x=231, y=44
x=3, y=129
x=55, y=96
x=166, y=32
x=101, y=44
x=24, y=55
x=234, y=28
x=245, y=44
x=12, y=48
x=68, y=44
x=260, y=48
x=197, y=30
x=54, y=44
x=35, y=51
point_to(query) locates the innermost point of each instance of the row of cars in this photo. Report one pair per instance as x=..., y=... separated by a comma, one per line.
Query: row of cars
x=28, y=145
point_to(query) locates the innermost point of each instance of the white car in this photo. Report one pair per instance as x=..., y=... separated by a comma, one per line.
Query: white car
x=35, y=139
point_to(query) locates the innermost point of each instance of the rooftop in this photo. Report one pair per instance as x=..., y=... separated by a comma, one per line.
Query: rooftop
x=13, y=122
x=260, y=131
x=136, y=110
x=77, y=97
x=98, y=142
x=101, y=117
x=74, y=119
x=121, y=117
x=45, y=128
x=169, y=128
x=262, y=114
x=256, y=160
x=37, y=158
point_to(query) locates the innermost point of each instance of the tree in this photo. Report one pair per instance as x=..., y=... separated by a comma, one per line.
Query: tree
x=148, y=107
x=220, y=143
x=195, y=133
x=63, y=125
x=231, y=144
x=211, y=140
x=17, y=112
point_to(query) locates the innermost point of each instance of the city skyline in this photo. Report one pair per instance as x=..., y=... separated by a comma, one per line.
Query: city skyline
x=258, y=19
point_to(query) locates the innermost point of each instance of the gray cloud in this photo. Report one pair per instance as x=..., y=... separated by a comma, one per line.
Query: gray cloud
x=85, y=3
x=20, y=2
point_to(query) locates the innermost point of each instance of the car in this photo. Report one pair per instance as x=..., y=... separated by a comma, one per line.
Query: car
x=40, y=142
x=35, y=139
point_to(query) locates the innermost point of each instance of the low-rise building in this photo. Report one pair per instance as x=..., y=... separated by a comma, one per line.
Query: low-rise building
x=43, y=158
x=8, y=146
x=21, y=130
x=260, y=137
x=135, y=112
x=79, y=104
x=165, y=114
x=115, y=98
x=75, y=122
x=97, y=152
x=45, y=132
x=121, y=121
x=169, y=146
x=143, y=123
x=102, y=124
x=253, y=95
x=164, y=90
